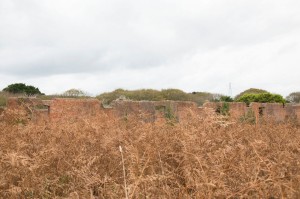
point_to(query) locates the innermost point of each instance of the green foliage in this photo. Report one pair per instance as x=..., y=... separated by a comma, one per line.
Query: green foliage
x=174, y=94
x=20, y=88
x=293, y=97
x=155, y=95
x=223, y=109
x=225, y=98
x=169, y=113
x=262, y=98
x=250, y=91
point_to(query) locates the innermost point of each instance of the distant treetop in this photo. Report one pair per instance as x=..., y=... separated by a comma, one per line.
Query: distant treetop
x=293, y=97
x=261, y=98
x=251, y=91
x=21, y=88
x=74, y=93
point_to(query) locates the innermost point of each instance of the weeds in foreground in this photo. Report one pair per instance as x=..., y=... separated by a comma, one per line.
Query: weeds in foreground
x=199, y=158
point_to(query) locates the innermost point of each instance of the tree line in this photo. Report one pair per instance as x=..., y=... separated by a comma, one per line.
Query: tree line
x=247, y=96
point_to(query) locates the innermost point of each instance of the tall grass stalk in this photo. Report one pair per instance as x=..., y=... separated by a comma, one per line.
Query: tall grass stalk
x=124, y=173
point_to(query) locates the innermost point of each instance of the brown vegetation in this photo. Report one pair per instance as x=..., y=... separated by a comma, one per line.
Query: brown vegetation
x=201, y=158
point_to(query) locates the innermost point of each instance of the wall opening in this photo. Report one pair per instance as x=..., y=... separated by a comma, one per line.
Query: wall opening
x=261, y=111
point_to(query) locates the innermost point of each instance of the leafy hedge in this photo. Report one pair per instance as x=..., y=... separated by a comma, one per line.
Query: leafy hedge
x=262, y=98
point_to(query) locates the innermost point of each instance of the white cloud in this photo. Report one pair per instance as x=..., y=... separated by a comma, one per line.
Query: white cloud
x=193, y=45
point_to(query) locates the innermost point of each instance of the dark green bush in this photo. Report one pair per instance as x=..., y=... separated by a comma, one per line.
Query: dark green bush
x=20, y=88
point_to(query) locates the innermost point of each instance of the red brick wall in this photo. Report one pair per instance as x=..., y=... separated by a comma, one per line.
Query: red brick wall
x=73, y=108
x=143, y=110
x=185, y=110
x=148, y=111
x=236, y=109
x=297, y=112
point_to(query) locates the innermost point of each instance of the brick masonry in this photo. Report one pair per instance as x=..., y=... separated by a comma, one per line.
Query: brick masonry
x=61, y=109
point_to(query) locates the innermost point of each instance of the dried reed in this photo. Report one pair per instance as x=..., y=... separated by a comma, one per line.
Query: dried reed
x=200, y=158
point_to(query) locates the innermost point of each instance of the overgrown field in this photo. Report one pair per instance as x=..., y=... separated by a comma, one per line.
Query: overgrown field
x=202, y=158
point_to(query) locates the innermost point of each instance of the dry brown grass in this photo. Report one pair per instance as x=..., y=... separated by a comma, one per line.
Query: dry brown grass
x=202, y=158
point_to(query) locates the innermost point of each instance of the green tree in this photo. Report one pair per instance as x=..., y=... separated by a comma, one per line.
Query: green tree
x=262, y=98
x=250, y=91
x=21, y=88
x=174, y=94
x=293, y=97
x=225, y=98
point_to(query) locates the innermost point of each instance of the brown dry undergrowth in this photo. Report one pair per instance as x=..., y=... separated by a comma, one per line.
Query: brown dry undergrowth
x=202, y=158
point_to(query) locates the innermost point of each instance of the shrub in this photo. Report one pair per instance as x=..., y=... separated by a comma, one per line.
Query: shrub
x=174, y=94
x=262, y=98
x=20, y=88
x=251, y=91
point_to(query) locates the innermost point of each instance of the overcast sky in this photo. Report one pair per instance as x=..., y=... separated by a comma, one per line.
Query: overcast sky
x=193, y=45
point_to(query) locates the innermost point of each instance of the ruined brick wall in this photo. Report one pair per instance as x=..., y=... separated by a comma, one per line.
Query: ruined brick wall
x=144, y=110
x=297, y=112
x=236, y=109
x=72, y=109
x=166, y=110
x=275, y=112
x=151, y=111
x=185, y=110
x=19, y=102
x=148, y=111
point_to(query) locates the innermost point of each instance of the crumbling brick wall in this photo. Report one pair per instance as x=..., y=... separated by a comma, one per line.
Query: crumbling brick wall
x=27, y=108
x=20, y=102
x=185, y=110
x=148, y=111
x=273, y=111
x=72, y=109
x=144, y=110
x=297, y=112
x=151, y=111
x=236, y=109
